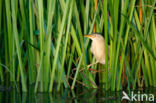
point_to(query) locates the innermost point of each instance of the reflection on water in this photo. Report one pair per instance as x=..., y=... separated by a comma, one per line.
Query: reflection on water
x=80, y=95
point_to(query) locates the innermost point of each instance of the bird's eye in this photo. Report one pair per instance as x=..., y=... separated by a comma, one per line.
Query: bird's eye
x=93, y=36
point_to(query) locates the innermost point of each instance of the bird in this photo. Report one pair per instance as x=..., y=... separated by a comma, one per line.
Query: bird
x=97, y=47
x=98, y=50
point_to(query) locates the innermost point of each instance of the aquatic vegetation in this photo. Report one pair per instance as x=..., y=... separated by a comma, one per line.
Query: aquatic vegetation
x=42, y=43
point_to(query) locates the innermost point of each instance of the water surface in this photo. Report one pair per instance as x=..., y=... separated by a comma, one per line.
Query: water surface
x=80, y=95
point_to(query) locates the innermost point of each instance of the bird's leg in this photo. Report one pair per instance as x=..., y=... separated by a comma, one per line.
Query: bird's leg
x=88, y=66
x=92, y=64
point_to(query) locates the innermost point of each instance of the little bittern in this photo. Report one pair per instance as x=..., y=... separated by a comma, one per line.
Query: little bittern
x=98, y=50
x=97, y=47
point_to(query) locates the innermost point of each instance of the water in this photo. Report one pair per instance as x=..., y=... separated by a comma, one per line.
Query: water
x=80, y=95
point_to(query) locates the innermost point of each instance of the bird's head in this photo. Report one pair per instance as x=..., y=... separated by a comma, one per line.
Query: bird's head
x=94, y=36
x=91, y=36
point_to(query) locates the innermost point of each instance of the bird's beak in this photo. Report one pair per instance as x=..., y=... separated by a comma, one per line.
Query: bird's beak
x=90, y=36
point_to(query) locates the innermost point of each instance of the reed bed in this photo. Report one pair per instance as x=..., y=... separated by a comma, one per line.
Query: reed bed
x=42, y=44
